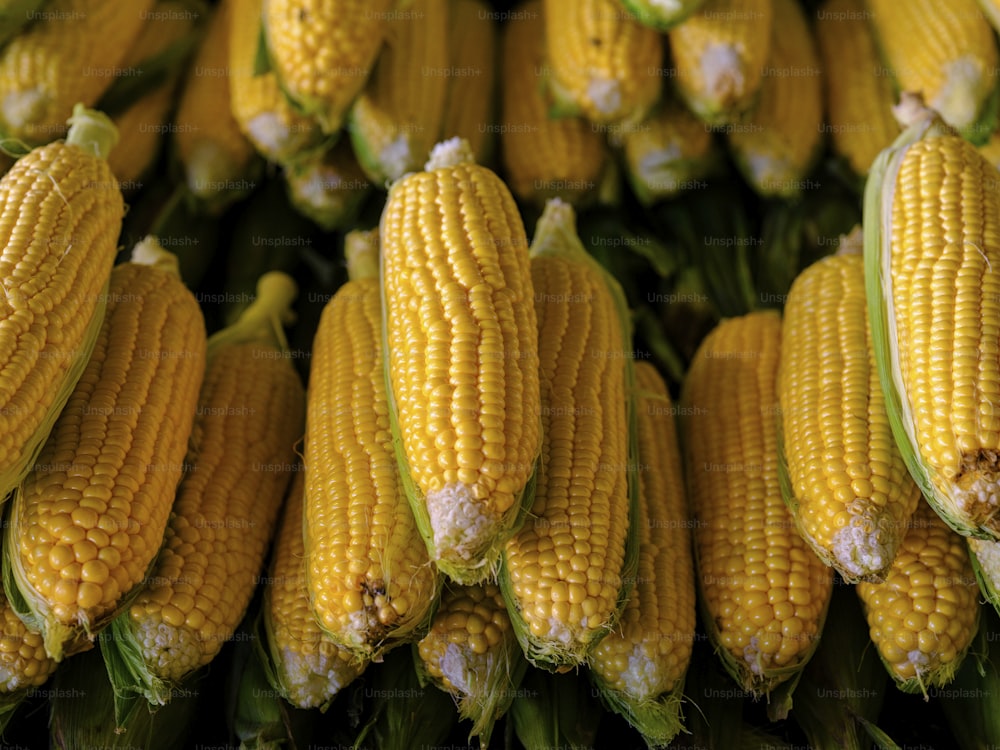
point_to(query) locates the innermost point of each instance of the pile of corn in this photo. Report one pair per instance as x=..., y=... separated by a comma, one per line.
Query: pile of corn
x=593, y=373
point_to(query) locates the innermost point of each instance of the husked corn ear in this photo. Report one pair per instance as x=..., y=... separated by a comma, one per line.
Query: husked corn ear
x=470, y=107
x=849, y=490
x=566, y=573
x=858, y=98
x=924, y=616
x=661, y=15
x=604, y=65
x=778, y=140
x=371, y=583
x=720, y=53
x=639, y=666
x=260, y=108
x=240, y=459
x=764, y=592
x=944, y=51
x=472, y=653
x=217, y=159
x=542, y=158
x=23, y=661
x=328, y=186
x=60, y=216
x=322, y=51
x=462, y=362
x=932, y=238
x=68, y=55
x=310, y=667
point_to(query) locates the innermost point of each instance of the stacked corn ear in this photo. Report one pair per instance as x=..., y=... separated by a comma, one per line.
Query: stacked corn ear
x=217, y=160
x=846, y=483
x=88, y=522
x=69, y=55
x=542, y=158
x=60, y=216
x=24, y=665
x=461, y=360
x=250, y=413
x=924, y=616
x=639, y=667
x=328, y=186
x=719, y=54
x=932, y=203
x=471, y=653
x=763, y=591
x=371, y=583
x=322, y=52
x=15, y=15
x=659, y=14
x=568, y=572
x=309, y=668
x=397, y=118
x=857, y=96
x=779, y=139
x=946, y=52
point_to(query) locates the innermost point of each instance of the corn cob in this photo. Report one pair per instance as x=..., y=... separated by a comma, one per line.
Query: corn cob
x=932, y=204
x=720, y=53
x=639, y=667
x=470, y=107
x=568, y=573
x=944, y=51
x=60, y=216
x=397, y=118
x=661, y=15
x=462, y=362
x=310, y=668
x=68, y=55
x=328, y=186
x=471, y=653
x=241, y=455
x=89, y=521
x=217, y=159
x=858, y=99
x=604, y=65
x=322, y=52
x=371, y=583
x=923, y=618
x=260, y=109
x=764, y=593
x=778, y=140
x=23, y=661
x=985, y=558
x=848, y=488
x=542, y=158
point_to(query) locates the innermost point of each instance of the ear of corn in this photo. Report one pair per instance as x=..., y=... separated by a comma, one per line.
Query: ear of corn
x=23, y=661
x=241, y=455
x=858, y=96
x=328, y=186
x=605, y=65
x=848, y=487
x=923, y=618
x=371, y=583
x=567, y=573
x=322, y=52
x=720, y=53
x=763, y=592
x=662, y=15
x=932, y=202
x=543, y=158
x=639, y=667
x=461, y=358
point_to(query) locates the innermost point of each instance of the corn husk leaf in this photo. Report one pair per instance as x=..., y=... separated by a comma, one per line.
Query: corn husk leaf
x=662, y=16
x=969, y=702
x=555, y=710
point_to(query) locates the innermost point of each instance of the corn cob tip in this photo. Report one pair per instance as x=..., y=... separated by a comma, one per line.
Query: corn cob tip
x=723, y=72
x=91, y=130
x=462, y=526
x=450, y=153
x=852, y=243
x=912, y=110
x=149, y=252
x=263, y=319
x=361, y=252
x=210, y=168
x=556, y=228
x=865, y=545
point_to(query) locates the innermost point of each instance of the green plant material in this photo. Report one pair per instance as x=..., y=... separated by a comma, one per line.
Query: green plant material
x=555, y=711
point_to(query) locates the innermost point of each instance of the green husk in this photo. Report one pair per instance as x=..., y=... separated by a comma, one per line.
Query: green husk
x=985, y=558
x=656, y=16
x=659, y=720
x=969, y=703
x=15, y=15
x=328, y=187
x=555, y=711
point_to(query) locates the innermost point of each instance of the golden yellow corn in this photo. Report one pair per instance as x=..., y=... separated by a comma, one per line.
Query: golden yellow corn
x=310, y=667
x=371, y=582
x=564, y=571
x=605, y=65
x=985, y=558
x=69, y=54
x=849, y=489
x=23, y=661
x=923, y=618
x=661, y=15
x=328, y=186
x=640, y=666
x=858, y=96
x=462, y=363
x=89, y=520
x=720, y=53
x=764, y=592
x=542, y=158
